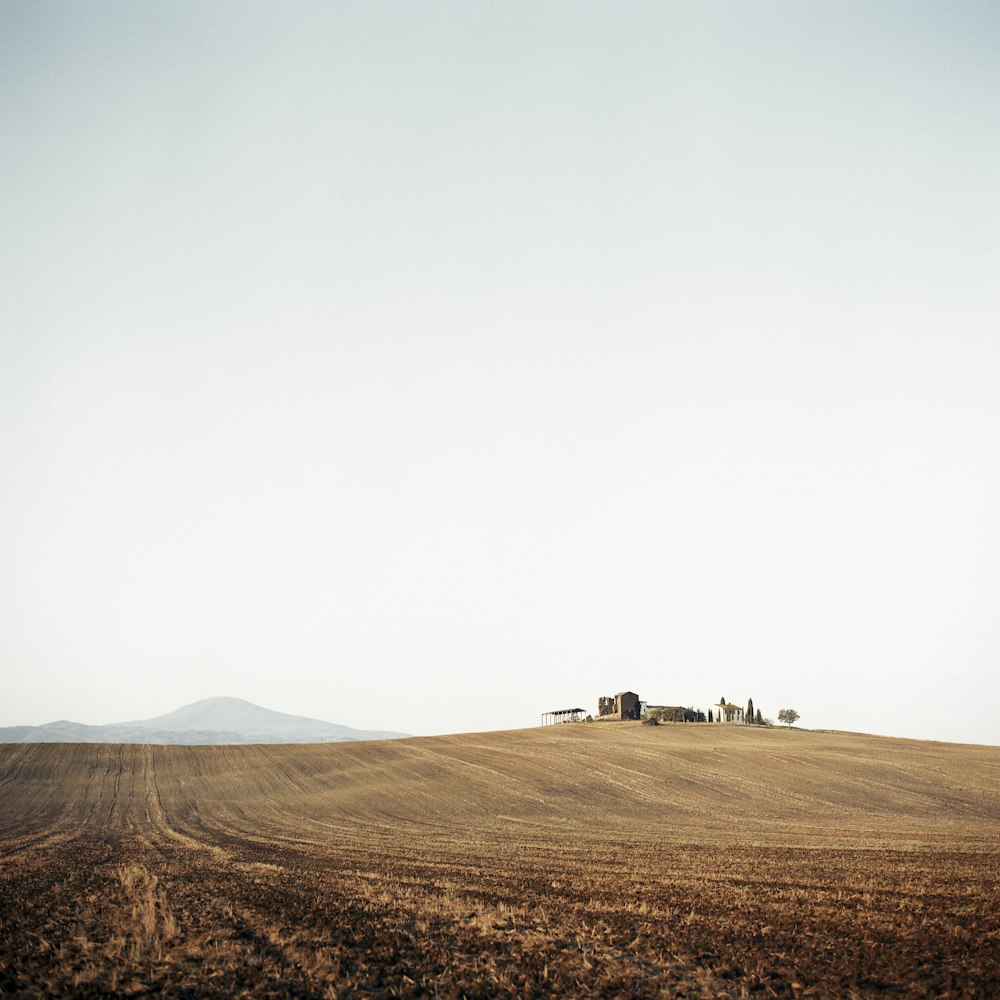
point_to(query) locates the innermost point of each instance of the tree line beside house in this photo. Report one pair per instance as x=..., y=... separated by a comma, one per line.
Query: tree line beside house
x=674, y=713
x=723, y=712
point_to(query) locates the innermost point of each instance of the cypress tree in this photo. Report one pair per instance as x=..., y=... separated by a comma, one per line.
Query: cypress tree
x=750, y=712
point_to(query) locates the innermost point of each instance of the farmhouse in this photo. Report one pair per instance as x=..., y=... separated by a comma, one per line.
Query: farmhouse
x=726, y=712
x=624, y=705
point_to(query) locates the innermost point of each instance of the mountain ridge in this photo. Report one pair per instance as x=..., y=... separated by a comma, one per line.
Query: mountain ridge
x=219, y=720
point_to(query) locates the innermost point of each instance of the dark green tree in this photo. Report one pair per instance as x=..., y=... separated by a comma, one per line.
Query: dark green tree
x=788, y=716
x=760, y=718
x=749, y=712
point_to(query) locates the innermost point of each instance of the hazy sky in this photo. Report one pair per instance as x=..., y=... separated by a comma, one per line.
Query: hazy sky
x=429, y=366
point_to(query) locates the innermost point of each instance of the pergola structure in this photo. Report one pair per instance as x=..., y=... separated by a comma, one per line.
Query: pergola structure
x=562, y=715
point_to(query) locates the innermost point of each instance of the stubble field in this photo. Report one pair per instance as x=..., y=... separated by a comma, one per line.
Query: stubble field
x=591, y=860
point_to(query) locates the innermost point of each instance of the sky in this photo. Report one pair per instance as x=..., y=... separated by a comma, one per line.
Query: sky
x=431, y=366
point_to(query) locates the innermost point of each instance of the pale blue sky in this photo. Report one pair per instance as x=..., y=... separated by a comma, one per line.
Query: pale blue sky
x=430, y=366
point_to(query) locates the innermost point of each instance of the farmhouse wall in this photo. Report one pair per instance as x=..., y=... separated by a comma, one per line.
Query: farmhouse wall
x=624, y=705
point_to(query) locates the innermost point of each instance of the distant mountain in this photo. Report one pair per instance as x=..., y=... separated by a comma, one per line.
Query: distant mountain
x=213, y=720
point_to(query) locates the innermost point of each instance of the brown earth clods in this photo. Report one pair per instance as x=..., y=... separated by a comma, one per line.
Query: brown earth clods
x=586, y=860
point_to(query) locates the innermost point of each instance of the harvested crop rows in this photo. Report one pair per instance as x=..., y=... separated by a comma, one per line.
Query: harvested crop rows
x=601, y=860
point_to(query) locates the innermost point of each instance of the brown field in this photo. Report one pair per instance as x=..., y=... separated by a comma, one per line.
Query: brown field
x=608, y=860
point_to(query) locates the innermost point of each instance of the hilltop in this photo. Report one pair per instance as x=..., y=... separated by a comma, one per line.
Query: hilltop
x=717, y=781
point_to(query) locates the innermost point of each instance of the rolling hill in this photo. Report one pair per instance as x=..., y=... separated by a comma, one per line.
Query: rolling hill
x=584, y=860
x=210, y=721
x=719, y=781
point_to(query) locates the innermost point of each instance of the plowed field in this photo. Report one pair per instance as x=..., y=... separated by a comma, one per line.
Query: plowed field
x=590, y=860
